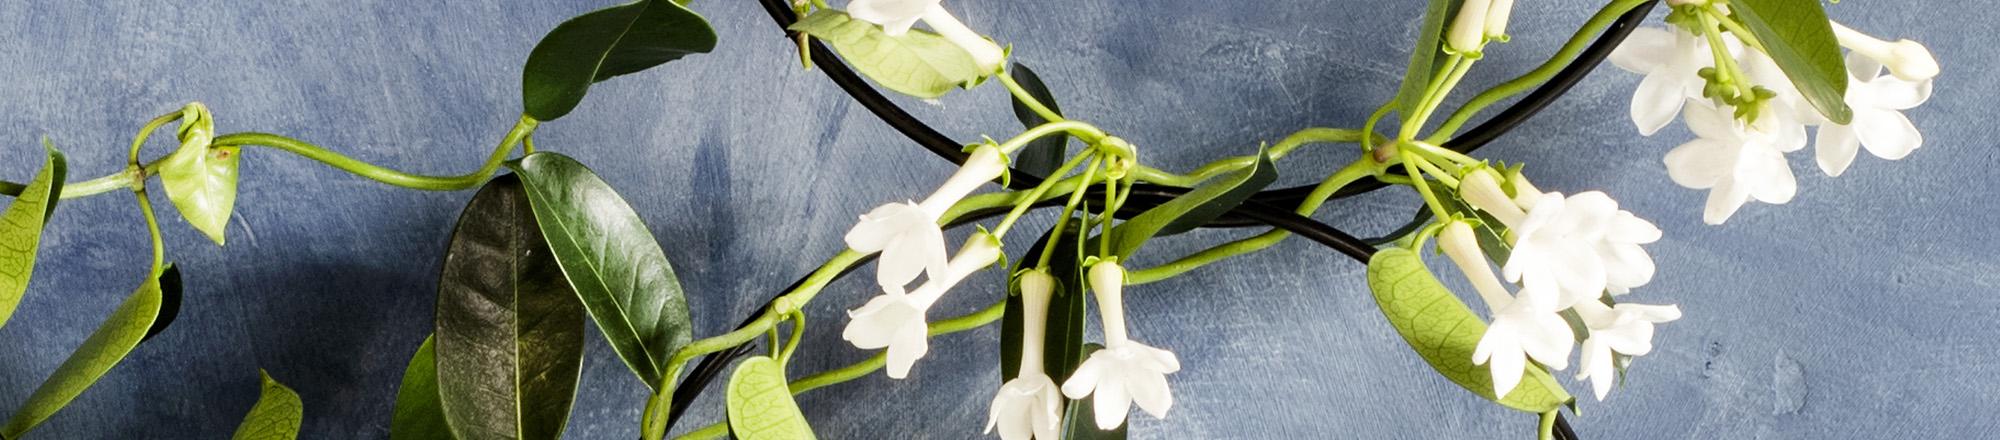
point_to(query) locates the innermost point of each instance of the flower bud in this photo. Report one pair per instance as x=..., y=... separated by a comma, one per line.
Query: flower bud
x=1468, y=30
x=1496, y=19
x=986, y=54
x=985, y=165
x=1481, y=190
x=1908, y=60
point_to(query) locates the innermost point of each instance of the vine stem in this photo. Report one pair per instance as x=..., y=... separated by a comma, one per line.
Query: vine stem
x=1021, y=95
x=1360, y=168
x=1541, y=74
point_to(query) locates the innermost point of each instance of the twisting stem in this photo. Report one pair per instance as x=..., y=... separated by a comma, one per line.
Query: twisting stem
x=153, y=229
x=1022, y=95
x=1541, y=74
x=521, y=130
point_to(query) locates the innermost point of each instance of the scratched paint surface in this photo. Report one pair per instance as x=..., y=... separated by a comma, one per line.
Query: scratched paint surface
x=1866, y=308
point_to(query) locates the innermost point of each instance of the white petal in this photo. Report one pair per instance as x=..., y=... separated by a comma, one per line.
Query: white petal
x=1711, y=122
x=1769, y=178
x=874, y=325
x=1835, y=148
x=1628, y=228
x=1150, y=391
x=1656, y=101
x=1723, y=201
x=895, y=16
x=1651, y=313
x=1596, y=364
x=1627, y=266
x=1635, y=339
x=1862, y=67
x=1888, y=93
x=1112, y=403
x=1507, y=363
x=876, y=228
x=1886, y=133
x=1551, y=341
x=911, y=343
x=1085, y=378
x=1646, y=49
x=1700, y=163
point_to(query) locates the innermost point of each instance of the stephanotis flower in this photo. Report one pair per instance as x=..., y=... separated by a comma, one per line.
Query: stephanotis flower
x=895, y=319
x=1523, y=327
x=907, y=233
x=1626, y=329
x=1907, y=60
x=897, y=16
x=1478, y=22
x=1878, y=124
x=1572, y=248
x=1736, y=161
x=1030, y=405
x=1125, y=371
x=1671, y=59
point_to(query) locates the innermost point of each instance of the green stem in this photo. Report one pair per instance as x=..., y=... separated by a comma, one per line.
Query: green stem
x=1089, y=134
x=521, y=130
x=1075, y=197
x=153, y=229
x=1360, y=168
x=1276, y=151
x=1435, y=97
x=1022, y=96
x=1541, y=74
x=1423, y=188
x=1035, y=194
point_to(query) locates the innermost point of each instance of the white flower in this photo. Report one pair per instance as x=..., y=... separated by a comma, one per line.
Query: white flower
x=1575, y=248
x=1468, y=29
x=1523, y=327
x=1496, y=19
x=1878, y=122
x=1030, y=405
x=1626, y=329
x=896, y=17
x=1670, y=59
x=895, y=319
x=907, y=234
x=1908, y=60
x=1125, y=371
x=1736, y=161
x=1482, y=191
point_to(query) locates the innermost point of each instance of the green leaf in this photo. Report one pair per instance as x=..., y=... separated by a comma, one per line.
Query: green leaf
x=276, y=416
x=606, y=43
x=1424, y=56
x=419, y=413
x=916, y=63
x=760, y=404
x=1207, y=201
x=1444, y=331
x=510, y=332
x=114, y=339
x=1080, y=416
x=1062, y=349
x=21, y=230
x=201, y=181
x=1041, y=156
x=1797, y=35
x=611, y=260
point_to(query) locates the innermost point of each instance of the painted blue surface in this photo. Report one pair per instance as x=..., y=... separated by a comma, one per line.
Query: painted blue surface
x=1866, y=308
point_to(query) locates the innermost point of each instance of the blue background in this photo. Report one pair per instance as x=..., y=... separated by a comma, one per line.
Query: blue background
x=1865, y=308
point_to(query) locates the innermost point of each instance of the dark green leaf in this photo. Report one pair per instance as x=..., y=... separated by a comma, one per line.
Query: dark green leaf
x=761, y=405
x=1080, y=416
x=276, y=416
x=605, y=43
x=1042, y=156
x=1207, y=201
x=113, y=340
x=1424, y=56
x=510, y=332
x=201, y=181
x=419, y=414
x=916, y=63
x=611, y=261
x=1062, y=351
x=1444, y=331
x=1797, y=35
x=21, y=230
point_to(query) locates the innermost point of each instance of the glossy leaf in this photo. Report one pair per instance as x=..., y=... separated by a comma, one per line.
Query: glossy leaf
x=761, y=405
x=1080, y=417
x=1424, y=56
x=419, y=414
x=21, y=229
x=1041, y=156
x=916, y=63
x=1207, y=201
x=606, y=43
x=113, y=340
x=1062, y=351
x=276, y=416
x=1444, y=331
x=1797, y=35
x=610, y=260
x=201, y=181
x=510, y=332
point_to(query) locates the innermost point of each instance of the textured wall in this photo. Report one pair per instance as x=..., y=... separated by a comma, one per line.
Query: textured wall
x=1865, y=308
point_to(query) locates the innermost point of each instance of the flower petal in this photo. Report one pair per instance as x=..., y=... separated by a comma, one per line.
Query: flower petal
x=1768, y=176
x=1085, y=378
x=1700, y=163
x=1723, y=201
x=1710, y=122
x=1112, y=403
x=1149, y=390
x=1835, y=148
x=1656, y=101
x=1886, y=133
x=911, y=343
x=1644, y=50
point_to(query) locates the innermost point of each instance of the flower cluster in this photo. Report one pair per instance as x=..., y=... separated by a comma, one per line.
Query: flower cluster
x=1746, y=114
x=1568, y=252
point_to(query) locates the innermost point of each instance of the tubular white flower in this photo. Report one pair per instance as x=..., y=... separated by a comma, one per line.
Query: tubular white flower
x=1125, y=371
x=1459, y=243
x=1670, y=59
x=984, y=52
x=895, y=320
x=1523, y=327
x=895, y=16
x=1626, y=329
x=1734, y=161
x=1468, y=30
x=1480, y=189
x=1575, y=248
x=907, y=233
x=1908, y=60
x=1496, y=19
x=1030, y=405
x=1878, y=123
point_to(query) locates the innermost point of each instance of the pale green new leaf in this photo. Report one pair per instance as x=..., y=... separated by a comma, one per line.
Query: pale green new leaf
x=276, y=416
x=917, y=63
x=201, y=181
x=21, y=230
x=761, y=405
x=1797, y=35
x=114, y=339
x=1444, y=331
